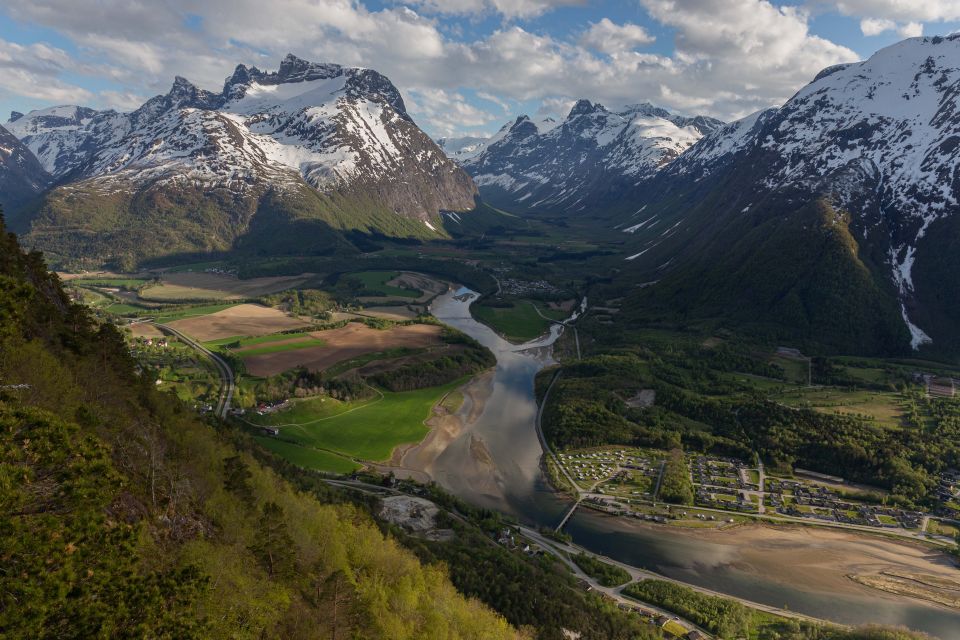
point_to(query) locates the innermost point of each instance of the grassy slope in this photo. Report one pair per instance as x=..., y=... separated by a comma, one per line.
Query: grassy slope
x=210, y=543
x=797, y=277
x=368, y=431
x=518, y=323
x=307, y=457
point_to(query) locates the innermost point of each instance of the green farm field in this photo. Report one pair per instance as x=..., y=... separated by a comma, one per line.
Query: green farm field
x=377, y=281
x=181, y=313
x=246, y=347
x=518, y=323
x=368, y=431
x=307, y=457
x=885, y=408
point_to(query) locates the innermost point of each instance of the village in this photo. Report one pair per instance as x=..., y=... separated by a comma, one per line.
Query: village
x=728, y=491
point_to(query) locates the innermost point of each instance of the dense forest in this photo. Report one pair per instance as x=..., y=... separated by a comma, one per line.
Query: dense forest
x=122, y=515
x=675, y=484
x=464, y=356
x=699, y=409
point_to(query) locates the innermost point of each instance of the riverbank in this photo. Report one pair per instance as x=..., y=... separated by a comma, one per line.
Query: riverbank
x=495, y=462
x=828, y=567
x=415, y=461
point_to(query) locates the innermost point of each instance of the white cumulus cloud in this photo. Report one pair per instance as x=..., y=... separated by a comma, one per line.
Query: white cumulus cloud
x=730, y=57
x=608, y=37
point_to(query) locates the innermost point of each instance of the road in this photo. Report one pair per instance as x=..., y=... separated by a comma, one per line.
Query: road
x=227, y=382
x=549, y=452
x=559, y=549
x=656, y=489
x=900, y=534
x=563, y=552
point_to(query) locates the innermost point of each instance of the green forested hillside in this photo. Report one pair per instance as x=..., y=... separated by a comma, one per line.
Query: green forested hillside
x=122, y=515
x=87, y=225
x=778, y=271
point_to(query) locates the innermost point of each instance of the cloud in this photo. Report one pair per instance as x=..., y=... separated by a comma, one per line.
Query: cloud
x=448, y=112
x=121, y=100
x=608, y=37
x=877, y=26
x=900, y=11
x=911, y=30
x=731, y=57
x=749, y=54
x=906, y=17
x=559, y=107
x=509, y=9
x=489, y=97
x=33, y=71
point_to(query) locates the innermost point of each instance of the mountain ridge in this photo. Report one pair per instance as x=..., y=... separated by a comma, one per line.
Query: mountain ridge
x=341, y=131
x=875, y=140
x=587, y=159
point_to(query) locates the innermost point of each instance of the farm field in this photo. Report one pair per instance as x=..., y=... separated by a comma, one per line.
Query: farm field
x=398, y=313
x=145, y=330
x=341, y=344
x=518, y=323
x=884, y=408
x=797, y=370
x=215, y=322
x=385, y=283
x=307, y=457
x=216, y=286
x=369, y=431
x=245, y=347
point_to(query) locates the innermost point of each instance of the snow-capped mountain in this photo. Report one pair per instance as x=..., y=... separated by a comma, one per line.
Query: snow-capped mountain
x=333, y=126
x=343, y=131
x=878, y=140
x=592, y=154
x=21, y=176
x=65, y=137
x=464, y=147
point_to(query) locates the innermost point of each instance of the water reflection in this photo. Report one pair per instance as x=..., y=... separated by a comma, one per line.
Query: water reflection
x=495, y=463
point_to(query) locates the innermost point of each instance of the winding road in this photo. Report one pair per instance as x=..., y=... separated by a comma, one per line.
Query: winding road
x=227, y=382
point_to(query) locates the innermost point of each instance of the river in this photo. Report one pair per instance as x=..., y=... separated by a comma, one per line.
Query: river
x=495, y=463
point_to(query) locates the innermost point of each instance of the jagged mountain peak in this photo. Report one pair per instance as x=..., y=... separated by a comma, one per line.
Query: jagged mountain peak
x=14, y=116
x=342, y=132
x=358, y=82
x=594, y=153
x=584, y=107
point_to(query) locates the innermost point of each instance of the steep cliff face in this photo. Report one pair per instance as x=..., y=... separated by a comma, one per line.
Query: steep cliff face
x=21, y=176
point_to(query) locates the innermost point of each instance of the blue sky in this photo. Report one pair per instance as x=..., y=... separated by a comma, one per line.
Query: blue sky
x=464, y=66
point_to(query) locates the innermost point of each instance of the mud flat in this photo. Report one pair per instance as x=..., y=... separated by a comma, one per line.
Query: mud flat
x=810, y=570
